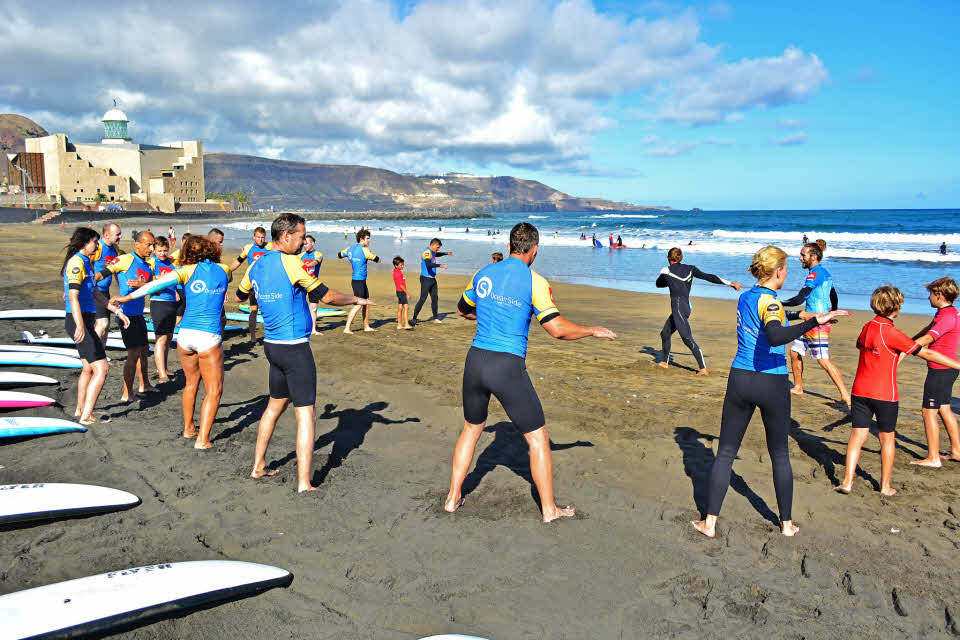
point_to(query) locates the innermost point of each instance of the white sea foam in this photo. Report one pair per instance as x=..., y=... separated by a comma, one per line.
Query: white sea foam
x=537, y=217
x=832, y=236
x=622, y=215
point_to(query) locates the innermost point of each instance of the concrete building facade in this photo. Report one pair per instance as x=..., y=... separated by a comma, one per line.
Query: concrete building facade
x=163, y=176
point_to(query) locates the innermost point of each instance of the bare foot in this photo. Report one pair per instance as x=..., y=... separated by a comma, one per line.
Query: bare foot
x=163, y=379
x=452, y=504
x=189, y=433
x=365, y=329
x=665, y=365
x=259, y=473
x=347, y=331
x=890, y=491
x=146, y=390
x=789, y=529
x=438, y=321
x=565, y=512
x=955, y=457
x=703, y=372
x=928, y=462
x=306, y=488
x=317, y=333
x=202, y=445
x=701, y=526
x=409, y=326
x=842, y=489
x=91, y=420
x=798, y=391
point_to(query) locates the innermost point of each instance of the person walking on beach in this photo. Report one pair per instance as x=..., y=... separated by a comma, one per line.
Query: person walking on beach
x=678, y=278
x=758, y=379
x=108, y=253
x=943, y=336
x=403, y=304
x=204, y=280
x=254, y=251
x=502, y=297
x=284, y=290
x=882, y=346
x=163, y=308
x=82, y=297
x=428, y=279
x=819, y=296
x=358, y=255
x=171, y=235
x=133, y=270
x=312, y=259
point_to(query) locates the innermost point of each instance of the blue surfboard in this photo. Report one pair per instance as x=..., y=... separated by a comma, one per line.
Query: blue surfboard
x=33, y=426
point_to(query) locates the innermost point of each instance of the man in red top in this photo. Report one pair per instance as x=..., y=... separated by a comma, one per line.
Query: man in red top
x=403, y=305
x=874, y=393
x=942, y=335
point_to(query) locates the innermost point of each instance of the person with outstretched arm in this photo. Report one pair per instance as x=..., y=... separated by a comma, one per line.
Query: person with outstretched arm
x=428, y=279
x=502, y=297
x=678, y=277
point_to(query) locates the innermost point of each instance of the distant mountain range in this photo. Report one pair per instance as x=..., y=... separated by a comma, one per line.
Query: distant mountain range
x=304, y=185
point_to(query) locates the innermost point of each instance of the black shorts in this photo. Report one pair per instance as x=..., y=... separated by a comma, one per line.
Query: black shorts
x=136, y=334
x=164, y=316
x=181, y=308
x=360, y=288
x=505, y=376
x=402, y=297
x=293, y=373
x=938, y=387
x=91, y=349
x=863, y=409
x=102, y=311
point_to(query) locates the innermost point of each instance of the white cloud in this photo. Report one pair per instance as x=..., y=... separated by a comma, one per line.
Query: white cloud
x=671, y=149
x=792, y=139
x=437, y=83
x=790, y=123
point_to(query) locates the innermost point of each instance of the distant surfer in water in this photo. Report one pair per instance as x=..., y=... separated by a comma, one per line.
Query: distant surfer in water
x=943, y=249
x=619, y=241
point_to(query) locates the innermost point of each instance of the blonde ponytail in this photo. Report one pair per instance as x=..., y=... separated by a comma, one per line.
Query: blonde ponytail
x=767, y=261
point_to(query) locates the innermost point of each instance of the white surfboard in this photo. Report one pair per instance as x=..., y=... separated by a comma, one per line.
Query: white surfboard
x=33, y=314
x=22, y=502
x=20, y=400
x=98, y=603
x=17, y=379
x=29, y=338
x=18, y=427
x=21, y=358
x=34, y=348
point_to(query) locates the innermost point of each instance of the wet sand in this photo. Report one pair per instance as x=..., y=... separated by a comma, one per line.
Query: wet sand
x=374, y=555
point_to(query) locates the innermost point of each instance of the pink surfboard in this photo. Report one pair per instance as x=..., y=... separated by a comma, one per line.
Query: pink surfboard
x=19, y=400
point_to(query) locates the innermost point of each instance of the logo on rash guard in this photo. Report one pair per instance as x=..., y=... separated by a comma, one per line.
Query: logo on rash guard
x=111, y=259
x=198, y=286
x=484, y=285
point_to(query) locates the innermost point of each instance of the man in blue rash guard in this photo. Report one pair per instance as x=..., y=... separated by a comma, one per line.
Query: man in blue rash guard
x=358, y=255
x=428, y=278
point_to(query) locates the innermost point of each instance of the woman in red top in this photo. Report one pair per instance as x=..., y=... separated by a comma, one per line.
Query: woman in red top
x=875, y=387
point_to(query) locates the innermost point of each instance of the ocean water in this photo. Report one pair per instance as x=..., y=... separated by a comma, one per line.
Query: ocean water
x=864, y=248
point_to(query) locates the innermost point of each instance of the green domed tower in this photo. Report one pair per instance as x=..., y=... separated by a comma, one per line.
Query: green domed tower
x=115, y=127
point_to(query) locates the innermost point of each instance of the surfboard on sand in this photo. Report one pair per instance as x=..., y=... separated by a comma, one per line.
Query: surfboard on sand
x=23, y=502
x=19, y=427
x=28, y=348
x=96, y=604
x=17, y=379
x=321, y=313
x=39, y=360
x=32, y=314
x=29, y=338
x=19, y=400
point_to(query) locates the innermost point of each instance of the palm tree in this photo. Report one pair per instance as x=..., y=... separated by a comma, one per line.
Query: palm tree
x=100, y=197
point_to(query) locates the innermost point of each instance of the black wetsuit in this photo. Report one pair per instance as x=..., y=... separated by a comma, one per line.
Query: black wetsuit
x=678, y=277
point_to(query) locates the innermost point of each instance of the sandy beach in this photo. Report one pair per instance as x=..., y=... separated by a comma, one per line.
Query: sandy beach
x=375, y=556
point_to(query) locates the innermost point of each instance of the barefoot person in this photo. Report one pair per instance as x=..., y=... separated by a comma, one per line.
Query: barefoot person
x=501, y=298
x=204, y=280
x=284, y=290
x=942, y=335
x=163, y=308
x=875, y=385
x=358, y=255
x=403, y=305
x=428, y=279
x=255, y=250
x=678, y=278
x=758, y=378
x=82, y=297
x=312, y=260
x=109, y=252
x=133, y=271
x=818, y=296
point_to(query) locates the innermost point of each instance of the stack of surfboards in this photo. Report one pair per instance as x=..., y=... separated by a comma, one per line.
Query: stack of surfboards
x=16, y=379
x=23, y=426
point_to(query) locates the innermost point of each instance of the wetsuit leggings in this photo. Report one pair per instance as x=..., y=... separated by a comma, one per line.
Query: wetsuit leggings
x=747, y=390
x=428, y=286
x=679, y=322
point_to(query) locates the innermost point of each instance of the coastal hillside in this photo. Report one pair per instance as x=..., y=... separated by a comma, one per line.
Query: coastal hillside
x=13, y=129
x=283, y=183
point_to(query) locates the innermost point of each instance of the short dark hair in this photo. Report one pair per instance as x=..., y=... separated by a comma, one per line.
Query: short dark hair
x=675, y=254
x=309, y=236
x=437, y=242
x=262, y=230
x=814, y=250
x=363, y=233
x=523, y=237
x=285, y=223
x=398, y=261
x=138, y=236
x=216, y=231
x=186, y=234
x=162, y=242
x=497, y=257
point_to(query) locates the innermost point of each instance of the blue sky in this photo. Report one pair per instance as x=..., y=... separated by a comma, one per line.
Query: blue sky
x=718, y=105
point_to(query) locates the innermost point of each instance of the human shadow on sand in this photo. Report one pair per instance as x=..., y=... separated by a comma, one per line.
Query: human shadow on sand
x=816, y=448
x=248, y=412
x=697, y=463
x=657, y=356
x=350, y=432
x=509, y=449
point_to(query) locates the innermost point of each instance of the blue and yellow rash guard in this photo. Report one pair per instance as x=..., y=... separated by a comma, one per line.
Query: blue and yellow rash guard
x=282, y=289
x=130, y=266
x=428, y=262
x=254, y=251
x=359, y=255
x=160, y=269
x=506, y=294
x=311, y=262
x=105, y=257
x=756, y=308
x=204, y=290
x=78, y=274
